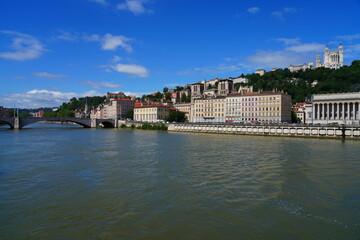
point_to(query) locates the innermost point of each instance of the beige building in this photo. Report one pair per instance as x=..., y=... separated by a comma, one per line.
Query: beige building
x=242, y=107
x=208, y=110
x=118, y=108
x=270, y=106
x=274, y=107
x=151, y=113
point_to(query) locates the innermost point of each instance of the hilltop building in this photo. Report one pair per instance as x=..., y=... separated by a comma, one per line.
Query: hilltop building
x=333, y=59
x=115, y=95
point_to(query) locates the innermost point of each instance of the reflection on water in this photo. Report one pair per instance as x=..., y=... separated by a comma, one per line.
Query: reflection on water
x=124, y=184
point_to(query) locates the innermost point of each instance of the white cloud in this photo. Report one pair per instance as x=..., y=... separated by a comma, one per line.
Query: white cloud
x=24, y=46
x=66, y=36
x=289, y=41
x=116, y=59
x=172, y=84
x=101, y=85
x=277, y=59
x=253, y=9
x=280, y=13
x=103, y=2
x=223, y=68
x=349, y=37
x=132, y=69
x=110, y=42
x=42, y=98
x=137, y=94
x=49, y=76
x=306, y=47
x=134, y=6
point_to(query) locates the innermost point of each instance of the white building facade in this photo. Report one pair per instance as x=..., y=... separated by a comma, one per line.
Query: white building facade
x=152, y=113
x=333, y=59
x=341, y=108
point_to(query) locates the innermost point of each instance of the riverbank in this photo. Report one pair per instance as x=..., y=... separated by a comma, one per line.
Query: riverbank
x=269, y=130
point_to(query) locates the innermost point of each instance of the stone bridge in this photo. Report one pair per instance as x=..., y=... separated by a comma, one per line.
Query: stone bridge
x=18, y=123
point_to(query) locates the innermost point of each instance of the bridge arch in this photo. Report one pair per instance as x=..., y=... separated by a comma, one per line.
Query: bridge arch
x=106, y=123
x=79, y=121
x=11, y=124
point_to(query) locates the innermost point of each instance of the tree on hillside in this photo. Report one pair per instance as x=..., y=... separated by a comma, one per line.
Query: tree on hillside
x=355, y=63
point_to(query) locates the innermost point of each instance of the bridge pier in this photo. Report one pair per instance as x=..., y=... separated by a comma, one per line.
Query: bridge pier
x=93, y=123
x=17, y=124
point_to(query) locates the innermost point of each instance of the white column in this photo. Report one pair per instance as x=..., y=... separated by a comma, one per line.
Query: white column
x=343, y=112
x=332, y=110
x=328, y=111
x=353, y=111
x=323, y=111
x=348, y=111
x=318, y=111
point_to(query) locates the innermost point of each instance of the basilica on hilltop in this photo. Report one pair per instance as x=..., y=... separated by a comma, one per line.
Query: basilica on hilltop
x=333, y=59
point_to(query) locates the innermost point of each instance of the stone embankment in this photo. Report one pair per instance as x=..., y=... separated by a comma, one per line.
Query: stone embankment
x=271, y=130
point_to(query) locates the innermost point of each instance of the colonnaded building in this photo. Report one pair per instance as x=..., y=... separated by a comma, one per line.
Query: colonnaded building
x=342, y=108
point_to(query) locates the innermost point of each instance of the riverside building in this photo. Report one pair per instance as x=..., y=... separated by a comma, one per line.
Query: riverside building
x=118, y=108
x=342, y=108
x=268, y=106
x=211, y=110
x=152, y=113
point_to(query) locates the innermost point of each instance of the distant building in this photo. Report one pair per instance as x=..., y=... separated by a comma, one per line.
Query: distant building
x=175, y=97
x=115, y=95
x=239, y=80
x=261, y=72
x=4, y=112
x=40, y=114
x=114, y=109
x=300, y=110
x=296, y=68
x=333, y=59
x=118, y=108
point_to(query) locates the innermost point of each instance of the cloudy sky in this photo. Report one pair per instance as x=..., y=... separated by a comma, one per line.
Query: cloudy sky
x=51, y=51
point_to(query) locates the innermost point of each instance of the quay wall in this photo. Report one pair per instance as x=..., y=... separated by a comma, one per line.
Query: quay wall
x=270, y=130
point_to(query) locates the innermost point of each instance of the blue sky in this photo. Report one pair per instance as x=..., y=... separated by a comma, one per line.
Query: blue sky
x=51, y=51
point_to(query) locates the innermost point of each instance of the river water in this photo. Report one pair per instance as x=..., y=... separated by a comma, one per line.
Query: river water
x=64, y=182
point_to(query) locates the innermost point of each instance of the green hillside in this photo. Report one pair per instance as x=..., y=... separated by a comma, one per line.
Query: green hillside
x=298, y=84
